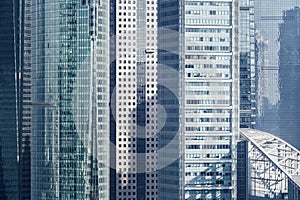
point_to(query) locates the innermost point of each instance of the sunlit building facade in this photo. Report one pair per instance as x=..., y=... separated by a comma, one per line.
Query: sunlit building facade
x=211, y=99
x=133, y=122
x=70, y=100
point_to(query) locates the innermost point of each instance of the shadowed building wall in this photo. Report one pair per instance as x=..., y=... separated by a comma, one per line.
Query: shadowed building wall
x=289, y=77
x=9, y=74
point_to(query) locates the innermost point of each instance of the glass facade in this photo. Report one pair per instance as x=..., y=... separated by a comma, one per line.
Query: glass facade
x=211, y=103
x=289, y=77
x=268, y=167
x=112, y=122
x=9, y=96
x=15, y=99
x=294, y=189
x=247, y=65
x=70, y=89
x=63, y=53
x=24, y=116
x=243, y=175
x=170, y=97
x=268, y=19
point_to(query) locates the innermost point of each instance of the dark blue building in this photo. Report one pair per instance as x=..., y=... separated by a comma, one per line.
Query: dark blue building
x=247, y=65
x=289, y=77
x=269, y=16
x=170, y=88
x=15, y=99
x=9, y=178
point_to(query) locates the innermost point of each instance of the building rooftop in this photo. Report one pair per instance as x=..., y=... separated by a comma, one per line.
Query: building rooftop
x=282, y=154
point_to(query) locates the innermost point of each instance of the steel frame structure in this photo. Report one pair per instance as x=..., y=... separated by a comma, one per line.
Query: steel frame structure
x=272, y=164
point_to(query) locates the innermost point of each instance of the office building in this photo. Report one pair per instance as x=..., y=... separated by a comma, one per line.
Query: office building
x=9, y=100
x=247, y=65
x=133, y=99
x=211, y=99
x=170, y=99
x=70, y=100
x=203, y=117
x=15, y=99
x=289, y=77
x=24, y=116
x=243, y=174
x=269, y=16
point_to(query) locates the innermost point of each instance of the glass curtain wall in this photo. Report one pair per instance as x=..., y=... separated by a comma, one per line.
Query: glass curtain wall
x=70, y=83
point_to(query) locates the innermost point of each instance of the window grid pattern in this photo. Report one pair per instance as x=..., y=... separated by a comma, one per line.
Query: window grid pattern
x=210, y=108
x=136, y=77
x=68, y=138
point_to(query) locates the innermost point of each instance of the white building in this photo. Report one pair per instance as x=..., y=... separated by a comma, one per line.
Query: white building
x=211, y=99
x=134, y=90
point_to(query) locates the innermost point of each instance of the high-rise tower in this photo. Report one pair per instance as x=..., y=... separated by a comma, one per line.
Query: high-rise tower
x=9, y=100
x=199, y=41
x=268, y=17
x=134, y=99
x=289, y=77
x=171, y=98
x=15, y=98
x=247, y=65
x=211, y=98
x=70, y=99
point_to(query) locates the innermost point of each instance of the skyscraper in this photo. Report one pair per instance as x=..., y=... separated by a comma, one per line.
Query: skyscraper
x=211, y=98
x=70, y=100
x=15, y=98
x=247, y=65
x=134, y=99
x=170, y=98
x=9, y=100
x=24, y=100
x=268, y=17
x=289, y=77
